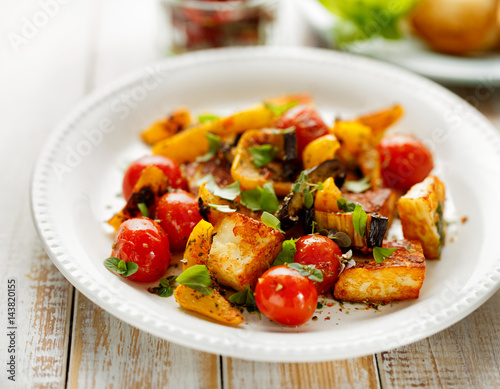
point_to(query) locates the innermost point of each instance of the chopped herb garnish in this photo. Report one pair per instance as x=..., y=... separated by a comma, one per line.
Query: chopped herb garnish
x=214, y=143
x=340, y=237
x=230, y=192
x=165, y=289
x=263, y=154
x=261, y=199
x=319, y=305
x=359, y=219
x=222, y=208
x=308, y=271
x=246, y=298
x=271, y=221
x=307, y=189
x=381, y=254
x=120, y=266
x=287, y=253
x=209, y=182
x=144, y=210
x=196, y=277
x=205, y=118
x=344, y=205
x=279, y=110
x=358, y=186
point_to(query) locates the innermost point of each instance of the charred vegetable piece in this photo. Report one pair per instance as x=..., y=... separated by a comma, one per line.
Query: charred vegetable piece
x=292, y=209
x=331, y=168
x=290, y=146
x=376, y=227
x=152, y=184
x=244, y=168
x=177, y=121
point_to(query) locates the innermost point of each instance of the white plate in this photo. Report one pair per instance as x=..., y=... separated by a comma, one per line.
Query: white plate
x=79, y=172
x=410, y=53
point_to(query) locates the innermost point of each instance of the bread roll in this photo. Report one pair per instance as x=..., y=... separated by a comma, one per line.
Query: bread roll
x=458, y=26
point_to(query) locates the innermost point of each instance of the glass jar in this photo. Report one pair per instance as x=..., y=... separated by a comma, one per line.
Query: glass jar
x=198, y=24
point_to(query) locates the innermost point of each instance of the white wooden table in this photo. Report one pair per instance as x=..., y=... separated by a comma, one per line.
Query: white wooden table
x=63, y=339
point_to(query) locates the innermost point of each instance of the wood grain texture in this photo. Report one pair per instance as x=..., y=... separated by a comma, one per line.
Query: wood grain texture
x=108, y=353
x=350, y=373
x=465, y=355
x=41, y=79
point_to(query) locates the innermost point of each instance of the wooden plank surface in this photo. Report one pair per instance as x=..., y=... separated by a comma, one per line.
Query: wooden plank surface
x=351, y=373
x=41, y=78
x=466, y=355
x=107, y=352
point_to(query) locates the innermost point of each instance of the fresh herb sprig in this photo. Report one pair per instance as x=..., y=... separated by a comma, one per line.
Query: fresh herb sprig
x=196, y=277
x=287, y=253
x=263, y=154
x=261, y=199
x=165, y=288
x=308, y=271
x=245, y=298
x=271, y=221
x=307, y=189
x=118, y=265
x=214, y=143
x=381, y=254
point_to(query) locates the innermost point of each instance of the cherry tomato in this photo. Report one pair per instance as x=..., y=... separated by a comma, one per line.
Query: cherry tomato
x=285, y=296
x=404, y=160
x=322, y=252
x=171, y=170
x=143, y=241
x=178, y=213
x=308, y=125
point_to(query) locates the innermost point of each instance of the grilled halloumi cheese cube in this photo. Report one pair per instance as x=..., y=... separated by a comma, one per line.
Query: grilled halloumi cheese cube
x=381, y=201
x=399, y=277
x=242, y=249
x=421, y=214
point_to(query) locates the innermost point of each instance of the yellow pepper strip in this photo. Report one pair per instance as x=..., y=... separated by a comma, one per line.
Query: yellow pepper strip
x=320, y=150
x=176, y=122
x=326, y=199
x=198, y=245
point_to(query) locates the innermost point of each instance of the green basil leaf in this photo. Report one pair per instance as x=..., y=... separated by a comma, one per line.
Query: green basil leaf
x=245, y=297
x=358, y=186
x=144, y=210
x=359, y=219
x=132, y=267
x=308, y=200
x=165, y=292
x=111, y=263
x=209, y=182
x=263, y=154
x=317, y=275
x=271, y=221
x=269, y=201
x=341, y=238
x=122, y=267
x=344, y=205
x=251, y=198
x=222, y=208
x=230, y=192
x=287, y=253
x=205, y=118
x=308, y=271
x=279, y=110
x=214, y=143
x=196, y=277
x=381, y=254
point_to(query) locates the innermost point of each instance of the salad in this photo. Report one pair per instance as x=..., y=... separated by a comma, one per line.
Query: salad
x=272, y=207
